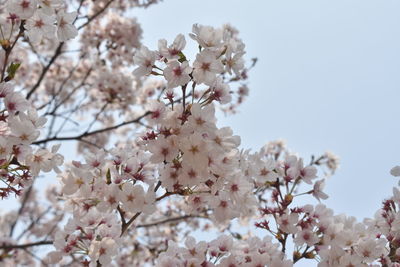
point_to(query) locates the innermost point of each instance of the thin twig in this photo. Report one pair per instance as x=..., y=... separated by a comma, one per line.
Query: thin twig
x=21, y=208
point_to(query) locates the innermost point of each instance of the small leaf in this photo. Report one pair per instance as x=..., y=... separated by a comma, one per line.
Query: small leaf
x=108, y=176
x=237, y=236
x=182, y=57
x=11, y=70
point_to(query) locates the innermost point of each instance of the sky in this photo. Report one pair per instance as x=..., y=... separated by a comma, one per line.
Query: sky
x=327, y=79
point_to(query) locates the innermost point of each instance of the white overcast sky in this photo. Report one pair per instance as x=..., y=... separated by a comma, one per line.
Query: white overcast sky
x=327, y=79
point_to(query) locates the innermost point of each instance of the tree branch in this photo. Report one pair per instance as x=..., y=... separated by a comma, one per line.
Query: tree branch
x=95, y=15
x=174, y=219
x=39, y=243
x=126, y=225
x=44, y=71
x=21, y=208
x=86, y=134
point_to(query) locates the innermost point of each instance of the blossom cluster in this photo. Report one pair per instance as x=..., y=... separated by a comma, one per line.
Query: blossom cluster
x=103, y=184
x=40, y=19
x=385, y=225
x=19, y=127
x=201, y=167
x=172, y=169
x=218, y=63
x=115, y=90
x=200, y=160
x=114, y=39
x=224, y=251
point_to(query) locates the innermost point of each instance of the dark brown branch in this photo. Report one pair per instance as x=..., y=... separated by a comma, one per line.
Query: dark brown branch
x=174, y=219
x=157, y=186
x=86, y=134
x=45, y=70
x=126, y=225
x=28, y=245
x=95, y=15
x=9, y=49
x=121, y=213
x=78, y=11
x=167, y=194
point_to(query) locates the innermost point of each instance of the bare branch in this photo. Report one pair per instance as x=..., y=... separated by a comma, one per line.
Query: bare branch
x=23, y=246
x=86, y=134
x=21, y=208
x=126, y=225
x=45, y=70
x=96, y=15
x=174, y=219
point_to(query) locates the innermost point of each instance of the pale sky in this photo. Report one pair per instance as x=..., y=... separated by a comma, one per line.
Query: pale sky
x=327, y=79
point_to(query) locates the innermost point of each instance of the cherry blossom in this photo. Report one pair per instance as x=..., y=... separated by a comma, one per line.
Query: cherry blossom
x=172, y=51
x=40, y=25
x=24, y=9
x=145, y=59
x=206, y=67
x=65, y=29
x=207, y=36
x=154, y=170
x=177, y=74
